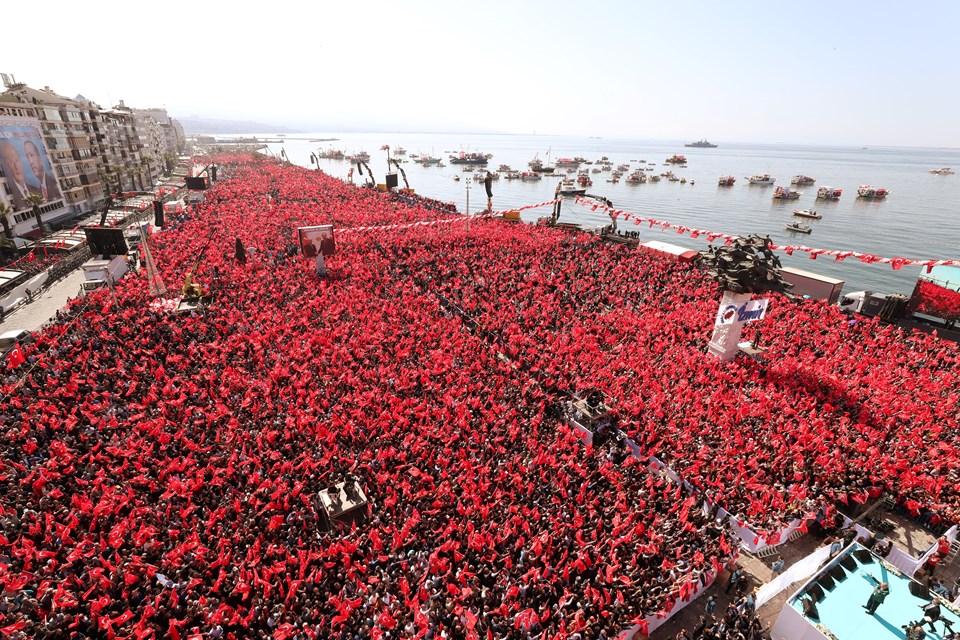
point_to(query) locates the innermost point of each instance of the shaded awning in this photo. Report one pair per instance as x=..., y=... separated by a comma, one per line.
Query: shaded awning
x=68, y=215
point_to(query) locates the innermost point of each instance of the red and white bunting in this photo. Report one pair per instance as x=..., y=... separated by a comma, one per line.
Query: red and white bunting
x=838, y=255
x=448, y=220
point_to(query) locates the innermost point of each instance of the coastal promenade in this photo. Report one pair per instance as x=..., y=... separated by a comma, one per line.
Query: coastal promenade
x=44, y=306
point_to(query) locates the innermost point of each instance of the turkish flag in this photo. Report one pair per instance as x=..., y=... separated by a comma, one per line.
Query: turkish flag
x=16, y=357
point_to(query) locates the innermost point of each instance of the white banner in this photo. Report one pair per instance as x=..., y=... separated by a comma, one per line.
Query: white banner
x=800, y=570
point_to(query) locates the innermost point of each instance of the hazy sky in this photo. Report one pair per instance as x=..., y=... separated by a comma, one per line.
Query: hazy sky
x=803, y=72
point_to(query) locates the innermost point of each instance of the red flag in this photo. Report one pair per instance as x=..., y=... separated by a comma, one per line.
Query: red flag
x=16, y=357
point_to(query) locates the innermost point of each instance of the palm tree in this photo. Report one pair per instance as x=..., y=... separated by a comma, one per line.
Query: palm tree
x=170, y=161
x=4, y=210
x=36, y=200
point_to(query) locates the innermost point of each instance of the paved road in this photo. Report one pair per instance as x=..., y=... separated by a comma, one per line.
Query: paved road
x=33, y=315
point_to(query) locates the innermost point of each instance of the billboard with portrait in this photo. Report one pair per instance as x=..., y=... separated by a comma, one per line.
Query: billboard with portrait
x=318, y=239
x=25, y=162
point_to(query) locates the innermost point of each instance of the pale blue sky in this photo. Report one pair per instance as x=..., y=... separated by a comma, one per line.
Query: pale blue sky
x=870, y=73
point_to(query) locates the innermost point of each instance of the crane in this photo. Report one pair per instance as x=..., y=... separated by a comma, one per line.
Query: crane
x=190, y=288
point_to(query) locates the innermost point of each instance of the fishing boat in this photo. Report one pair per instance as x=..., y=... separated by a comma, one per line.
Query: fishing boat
x=675, y=159
x=471, y=158
x=638, y=177
x=829, y=193
x=798, y=228
x=528, y=176
x=331, y=154
x=570, y=188
x=505, y=168
x=584, y=181
x=701, y=144
x=399, y=151
x=427, y=160
x=511, y=175
x=568, y=162
x=726, y=181
x=943, y=171
x=361, y=156
x=762, y=179
x=539, y=166
x=802, y=179
x=785, y=193
x=869, y=192
x=623, y=167
x=807, y=213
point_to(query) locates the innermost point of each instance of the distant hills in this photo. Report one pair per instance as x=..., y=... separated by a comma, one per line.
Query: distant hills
x=213, y=125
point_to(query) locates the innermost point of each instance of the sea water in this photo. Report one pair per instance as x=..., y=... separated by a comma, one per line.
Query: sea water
x=918, y=219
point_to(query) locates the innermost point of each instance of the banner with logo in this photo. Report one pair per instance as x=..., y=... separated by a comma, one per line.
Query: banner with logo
x=745, y=312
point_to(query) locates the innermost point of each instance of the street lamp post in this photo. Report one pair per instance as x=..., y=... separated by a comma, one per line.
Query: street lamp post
x=468, y=204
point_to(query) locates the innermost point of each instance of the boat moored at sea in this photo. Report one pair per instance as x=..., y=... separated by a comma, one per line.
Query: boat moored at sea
x=802, y=179
x=537, y=165
x=785, y=193
x=829, y=193
x=568, y=162
x=798, y=227
x=762, y=179
x=359, y=156
x=638, y=177
x=570, y=188
x=807, y=213
x=399, y=151
x=472, y=158
x=726, y=181
x=331, y=154
x=943, y=171
x=869, y=192
x=528, y=176
x=676, y=159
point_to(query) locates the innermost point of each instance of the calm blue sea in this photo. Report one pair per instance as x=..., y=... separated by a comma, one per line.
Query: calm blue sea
x=918, y=220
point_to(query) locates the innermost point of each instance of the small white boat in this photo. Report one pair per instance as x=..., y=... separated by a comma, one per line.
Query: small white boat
x=943, y=171
x=762, y=179
x=569, y=188
x=807, y=213
x=798, y=228
x=801, y=179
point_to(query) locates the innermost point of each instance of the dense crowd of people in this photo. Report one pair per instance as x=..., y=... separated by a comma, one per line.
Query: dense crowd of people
x=842, y=411
x=162, y=472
